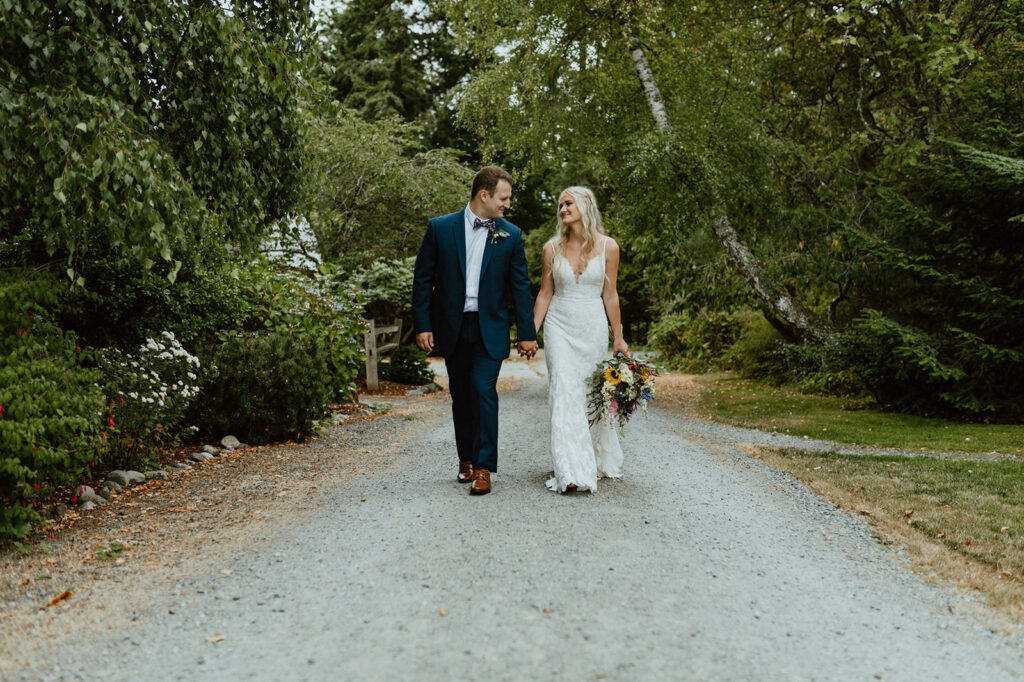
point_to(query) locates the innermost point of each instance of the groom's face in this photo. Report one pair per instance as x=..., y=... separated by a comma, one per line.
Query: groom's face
x=495, y=205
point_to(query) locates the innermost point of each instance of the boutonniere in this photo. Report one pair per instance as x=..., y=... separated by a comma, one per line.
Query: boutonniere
x=498, y=234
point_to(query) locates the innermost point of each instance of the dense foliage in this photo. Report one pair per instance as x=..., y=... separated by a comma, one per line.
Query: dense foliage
x=147, y=149
x=389, y=59
x=265, y=386
x=370, y=187
x=130, y=131
x=314, y=309
x=868, y=153
x=407, y=365
x=52, y=414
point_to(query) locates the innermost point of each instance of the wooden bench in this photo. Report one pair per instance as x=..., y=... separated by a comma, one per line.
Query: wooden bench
x=391, y=335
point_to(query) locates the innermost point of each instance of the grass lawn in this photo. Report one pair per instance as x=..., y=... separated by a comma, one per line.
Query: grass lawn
x=962, y=520
x=727, y=398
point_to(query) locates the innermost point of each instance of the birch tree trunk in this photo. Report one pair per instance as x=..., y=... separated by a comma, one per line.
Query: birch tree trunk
x=777, y=299
x=650, y=86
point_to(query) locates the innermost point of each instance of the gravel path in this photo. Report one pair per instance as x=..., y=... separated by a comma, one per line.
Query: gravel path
x=701, y=563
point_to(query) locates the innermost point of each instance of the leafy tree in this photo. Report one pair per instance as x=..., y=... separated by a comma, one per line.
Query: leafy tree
x=846, y=155
x=131, y=129
x=370, y=188
x=558, y=89
x=896, y=128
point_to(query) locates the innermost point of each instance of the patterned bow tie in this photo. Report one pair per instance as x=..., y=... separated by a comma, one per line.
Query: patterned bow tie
x=489, y=224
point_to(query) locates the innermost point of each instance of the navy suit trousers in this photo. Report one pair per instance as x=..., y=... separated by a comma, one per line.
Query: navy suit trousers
x=472, y=383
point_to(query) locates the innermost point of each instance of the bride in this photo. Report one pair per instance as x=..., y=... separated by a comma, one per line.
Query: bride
x=577, y=292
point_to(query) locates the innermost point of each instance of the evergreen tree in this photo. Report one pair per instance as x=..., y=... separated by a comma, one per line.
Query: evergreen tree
x=398, y=58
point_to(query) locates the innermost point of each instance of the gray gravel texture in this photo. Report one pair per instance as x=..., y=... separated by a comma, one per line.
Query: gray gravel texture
x=701, y=563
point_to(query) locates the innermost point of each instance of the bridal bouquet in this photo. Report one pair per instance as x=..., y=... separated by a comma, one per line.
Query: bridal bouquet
x=618, y=388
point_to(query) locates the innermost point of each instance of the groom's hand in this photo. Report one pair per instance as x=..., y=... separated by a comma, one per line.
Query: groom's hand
x=527, y=348
x=425, y=340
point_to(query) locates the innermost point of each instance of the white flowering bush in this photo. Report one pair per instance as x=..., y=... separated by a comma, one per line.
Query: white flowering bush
x=149, y=392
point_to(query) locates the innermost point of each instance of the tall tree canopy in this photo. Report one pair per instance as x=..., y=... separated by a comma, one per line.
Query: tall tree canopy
x=393, y=58
x=133, y=129
x=867, y=154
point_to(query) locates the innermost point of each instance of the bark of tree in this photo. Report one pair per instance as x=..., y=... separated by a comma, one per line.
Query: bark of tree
x=781, y=305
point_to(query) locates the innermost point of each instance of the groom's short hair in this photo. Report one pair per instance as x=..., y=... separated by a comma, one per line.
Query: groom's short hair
x=487, y=178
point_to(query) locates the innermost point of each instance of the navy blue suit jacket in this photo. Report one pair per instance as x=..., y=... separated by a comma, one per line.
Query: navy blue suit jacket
x=439, y=286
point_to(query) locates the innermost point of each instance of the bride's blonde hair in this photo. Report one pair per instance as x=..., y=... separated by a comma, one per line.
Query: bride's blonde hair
x=586, y=202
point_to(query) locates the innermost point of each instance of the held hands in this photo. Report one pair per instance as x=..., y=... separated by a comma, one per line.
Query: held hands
x=425, y=340
x=527, y=348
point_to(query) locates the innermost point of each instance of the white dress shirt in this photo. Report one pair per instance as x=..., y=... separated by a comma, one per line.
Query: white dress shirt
x=476, y=241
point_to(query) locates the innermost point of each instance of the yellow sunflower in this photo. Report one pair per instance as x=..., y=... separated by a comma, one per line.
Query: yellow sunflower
x=611, y=375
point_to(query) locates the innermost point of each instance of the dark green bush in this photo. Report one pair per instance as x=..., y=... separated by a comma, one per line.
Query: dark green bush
x=814, y=368
x=910, y=369
x=310, y=307
x=694, y=340
x=263, y=386
x=754, y=353
x=760, y=352
x=407, y=365
x=51, y=412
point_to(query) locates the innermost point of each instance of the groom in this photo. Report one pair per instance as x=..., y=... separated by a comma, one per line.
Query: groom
x=466, y=262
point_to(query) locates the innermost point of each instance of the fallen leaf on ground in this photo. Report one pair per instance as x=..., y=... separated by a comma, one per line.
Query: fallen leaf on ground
x=442, y=612
x=225, y=571
x=66, y=594
x=216, y=638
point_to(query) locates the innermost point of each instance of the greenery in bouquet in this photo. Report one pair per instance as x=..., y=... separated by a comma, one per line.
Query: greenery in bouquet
x=618, y=388
x=149, y=392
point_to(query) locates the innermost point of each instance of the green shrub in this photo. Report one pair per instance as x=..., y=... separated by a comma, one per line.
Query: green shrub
x=753, y=354
x=407, y=365
x=314, y=308
x=387, y=290
x=151, y=391
x=122, y=306
x=51, y=411
x=693, y=340
x=814, y=368
x=264, y=386
x=912, y=370
x=761, y=353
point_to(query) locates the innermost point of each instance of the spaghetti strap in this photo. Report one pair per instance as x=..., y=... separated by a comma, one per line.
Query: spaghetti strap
x=604, y=257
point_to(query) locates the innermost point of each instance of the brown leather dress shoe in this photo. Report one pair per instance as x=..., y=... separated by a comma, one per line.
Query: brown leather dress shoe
x=481, y=482
x=465, y=471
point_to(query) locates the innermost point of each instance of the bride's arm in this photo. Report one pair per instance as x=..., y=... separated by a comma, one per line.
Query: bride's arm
x=547, y=288
x=610, y=294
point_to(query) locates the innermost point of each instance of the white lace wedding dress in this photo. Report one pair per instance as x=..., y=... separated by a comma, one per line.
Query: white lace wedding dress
x=575, y=340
